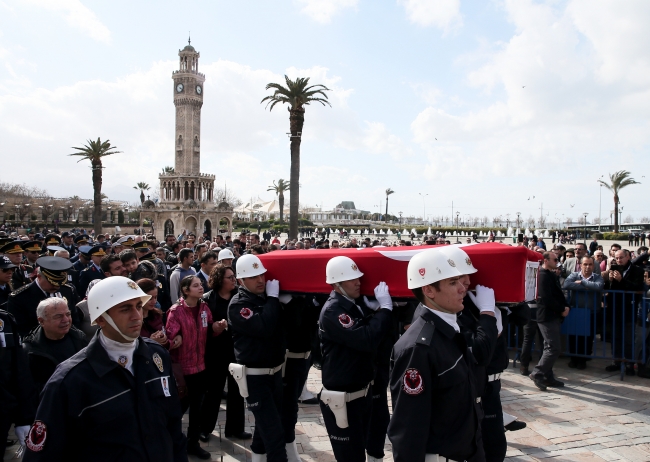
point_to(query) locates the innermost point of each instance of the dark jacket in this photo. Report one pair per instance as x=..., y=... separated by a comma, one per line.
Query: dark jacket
x=41, y=362
x=350, y=335
x=255, y=323
x=219, y=349
x=550, y=299
x=93, y=409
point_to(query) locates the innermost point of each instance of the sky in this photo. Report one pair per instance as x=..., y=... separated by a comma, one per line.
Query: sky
x=498, y=107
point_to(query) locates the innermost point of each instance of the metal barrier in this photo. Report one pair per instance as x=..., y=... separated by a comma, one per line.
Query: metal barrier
x=611, y=324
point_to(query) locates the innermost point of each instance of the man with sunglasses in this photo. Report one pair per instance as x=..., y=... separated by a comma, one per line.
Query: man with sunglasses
x=551, y=308
x=14, y=251
x=33, y=250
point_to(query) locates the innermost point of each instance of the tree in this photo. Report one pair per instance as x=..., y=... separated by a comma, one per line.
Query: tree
x=168, y=169
x=94, y=151
x=617, y=181
x=296, y=94
x=628, y=219
x=279, y=190
x=142, y=186
x=388, y=193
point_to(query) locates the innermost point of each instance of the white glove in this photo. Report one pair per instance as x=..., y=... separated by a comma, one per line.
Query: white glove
x=273, y=288
x=383, y=297
x=484, y=299
x=374, y=306
x=21, y=433
x=497, y=314
x=284, y=298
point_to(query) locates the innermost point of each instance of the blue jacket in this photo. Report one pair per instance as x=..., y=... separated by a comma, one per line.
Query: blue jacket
x=586, y=293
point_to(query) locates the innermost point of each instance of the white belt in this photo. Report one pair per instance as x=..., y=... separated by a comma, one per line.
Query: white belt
x=493, y=377
x=298, y=355
x=437, y=458
x=263, y=371
x=356, y=394
x=336, y=401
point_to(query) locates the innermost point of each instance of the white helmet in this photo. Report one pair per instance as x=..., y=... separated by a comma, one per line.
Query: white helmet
x=460, y=257
x=341, y=269
x=225, y=254
x=110, y=292
x=249, y=266
x=430, y=266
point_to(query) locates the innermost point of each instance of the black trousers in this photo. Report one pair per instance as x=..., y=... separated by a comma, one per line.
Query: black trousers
x=379, y=418
x=197, y=385
x=218, y=374
x=493, y=433
x=265, y=402
x=531, y=334
x=5, y=425
x=349, y=444
x=295, y=376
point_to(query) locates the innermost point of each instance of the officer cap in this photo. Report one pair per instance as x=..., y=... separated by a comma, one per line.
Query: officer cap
x=5, y=240
x=97, y=251
x=32, y=246
x=85, y=249
x=65, y=234
x=52, y=239
x=82, y=239
x=54, y=248
x=12, y=247
x=39, y=236
x=126, y=241
x=54, y=269
x=142, y=246
x=5, y=263
x=151, y=256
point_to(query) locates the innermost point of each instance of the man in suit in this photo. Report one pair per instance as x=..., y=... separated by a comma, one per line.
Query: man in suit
x=551, y=309
x=207, y=263
x=573, y=265
x=621, y=307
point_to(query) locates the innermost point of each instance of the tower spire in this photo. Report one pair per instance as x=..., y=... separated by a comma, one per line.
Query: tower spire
x=189, y=38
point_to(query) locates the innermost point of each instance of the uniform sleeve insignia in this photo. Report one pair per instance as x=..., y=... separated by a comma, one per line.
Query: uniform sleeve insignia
x=345, y=320
x=413, y=383
x=158, y=361
x=451, y=263
x=246, y=313
x=36, y=437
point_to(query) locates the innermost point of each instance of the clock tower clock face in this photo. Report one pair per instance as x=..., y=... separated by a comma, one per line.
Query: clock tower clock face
x=199, y=90
x=179, y=88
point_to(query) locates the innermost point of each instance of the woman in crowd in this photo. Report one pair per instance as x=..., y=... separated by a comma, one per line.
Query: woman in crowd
x=219, y=353
x=191, y=318
x=152, y=319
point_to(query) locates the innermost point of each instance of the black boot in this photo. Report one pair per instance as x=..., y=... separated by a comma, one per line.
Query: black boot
x=195, y=449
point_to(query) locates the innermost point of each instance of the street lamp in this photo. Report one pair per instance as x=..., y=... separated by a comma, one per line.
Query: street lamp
x=457, y=215
x=600, y=203
x=400, y=219
x=424, y=206
x=584, y=229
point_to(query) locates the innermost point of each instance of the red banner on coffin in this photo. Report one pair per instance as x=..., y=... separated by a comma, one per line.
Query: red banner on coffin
x=504, y=268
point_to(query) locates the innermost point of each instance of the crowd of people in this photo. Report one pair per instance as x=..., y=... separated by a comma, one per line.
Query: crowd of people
x=108, y=340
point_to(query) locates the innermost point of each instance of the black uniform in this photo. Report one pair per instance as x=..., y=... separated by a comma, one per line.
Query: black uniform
x=350, y=335
x=93, y=409
x=436, y=409
x=18, y=395
x=22, y=276
x=4, y=294
x=258, y=336
x=72, y=250
x=23, y=302
x=89, y=274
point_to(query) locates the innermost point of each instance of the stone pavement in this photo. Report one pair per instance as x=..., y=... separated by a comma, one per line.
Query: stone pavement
x=595, y=417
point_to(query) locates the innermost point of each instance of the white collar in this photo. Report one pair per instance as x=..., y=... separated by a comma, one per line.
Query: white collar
x=449, y=318
x=118, y=351
x=207, y=278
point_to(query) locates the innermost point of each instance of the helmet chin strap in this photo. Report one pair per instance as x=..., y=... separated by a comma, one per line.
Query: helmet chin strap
x=343, y=292
x=110, y=321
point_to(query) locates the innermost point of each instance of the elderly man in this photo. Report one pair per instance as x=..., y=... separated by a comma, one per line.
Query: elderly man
x=586, y=292
x=53, y=341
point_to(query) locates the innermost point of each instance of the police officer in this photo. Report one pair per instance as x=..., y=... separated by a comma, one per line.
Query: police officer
x=83, y=259
x=436, y=407
x=93, y=271
x=51, y=239
x=6, y=272
x=51, y=278
x=14, y=251
x=117, y=398
x=67, y=242
x=33, y=250
x=79, y=241
x=254, y=318
x=350, y=334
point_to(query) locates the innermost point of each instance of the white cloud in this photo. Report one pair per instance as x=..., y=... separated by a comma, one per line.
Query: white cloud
x=323, y=10
x=77, y=16
x=443, y=14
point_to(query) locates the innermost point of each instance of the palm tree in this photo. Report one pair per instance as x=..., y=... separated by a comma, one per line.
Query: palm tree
x=168, y=169
x=296, y=94
x=279, y=189
x=142, y=186
x=618, y=181
x=388, y=193
x=94, y=151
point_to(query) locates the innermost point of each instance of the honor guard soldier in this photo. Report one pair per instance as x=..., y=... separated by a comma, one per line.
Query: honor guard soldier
x=6, y=272
x=51, y=278
x=350, y=335
x=436, y=408
x=14, y=251
x=93, y=271
x=117, y=398
x=18, y=394
x=254, y=318
x=67, y=242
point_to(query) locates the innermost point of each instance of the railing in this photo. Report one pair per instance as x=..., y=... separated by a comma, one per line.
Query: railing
x=611, y=324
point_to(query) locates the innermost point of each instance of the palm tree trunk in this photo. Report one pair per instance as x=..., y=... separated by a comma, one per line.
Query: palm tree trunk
x=281, y=201
x=615, y=213
x=296, y=121
x=386, y=214
x=97, y=197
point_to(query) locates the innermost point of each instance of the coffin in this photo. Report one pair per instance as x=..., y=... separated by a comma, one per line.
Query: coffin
x=510, y=271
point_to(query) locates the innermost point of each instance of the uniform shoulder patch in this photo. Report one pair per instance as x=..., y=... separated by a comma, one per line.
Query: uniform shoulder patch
x=426, y=334
x=246, y=313
x=37, y=436
x=345, y=320
x=412, y=383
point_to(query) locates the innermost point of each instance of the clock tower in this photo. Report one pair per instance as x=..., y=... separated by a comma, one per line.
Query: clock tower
x=188, y=99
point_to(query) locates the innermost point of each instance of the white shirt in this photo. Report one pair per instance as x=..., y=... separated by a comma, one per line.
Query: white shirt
x=121, y=353
x=449, y=318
